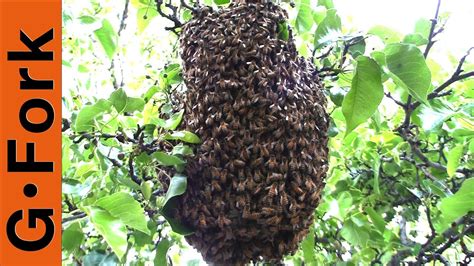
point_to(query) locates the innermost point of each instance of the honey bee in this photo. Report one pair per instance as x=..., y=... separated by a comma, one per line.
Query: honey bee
x=268, y=211
x=214, y=172
x=258, y=177
x=230, y=166
x=275, y=177
x=256, y=190
x=283, y=199
x=240, y=202
x=217, y=147
x=264, y=151
x=223, y=128
x=205, y=210
x=223, y=177
x=223, y=221
x=256, y=162
x=215, y=186
x=239, y=163
x=298, y=127
x=298, y=179
x=281, y=188
x=272, y=164
x=281, y=248
x=301, y=197
x=291, y=144
x=315, y=196
x=193, y=214
x=296, y=188
x=309, y=184
x=241, y=174
x=250, y=184
x=295, y=221
x=202, y=221
x=247, y=252
x=209, y=121
x=293, y=207
x=207, y=194
x=284, y=166
x=274, y=220
x=241, y=186
x=272, y=190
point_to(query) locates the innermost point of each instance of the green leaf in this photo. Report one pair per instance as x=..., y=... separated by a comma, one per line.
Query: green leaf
x=107, y=38
x=134, y=104
x=283, y=33
x=72, y=237
x=454, y=158
x=187, y=15
x=118, y=98
x=326, y=3
x=185, y=136
x=333, y=130
x=166, y=159
x=141, y=239
x=331, y=25
x=146, y=188
x=181, y=149
x=176, y=188
x=84, y=168
x=416, y=39
x=376, y=218
x=161, y=251
x=150, y=92
x=387, y=35
x=337, y=95
x=111, y=228
x=173, y=122
x=380, y=58
x=433, y=116
x=358, y=48
x=87, y=19
x=172, y=74
x=221, y=2
x=307, y=245
x=423, y=27
x=66, y=63
x=437, y=187
x=144, y=16
x=85, y=117
x=123, y=206
x=409, y=69
x=459, y=204
x=304, y=19
x=82, y=69
x=344, y=203
x=354, y=234
x=365, y=94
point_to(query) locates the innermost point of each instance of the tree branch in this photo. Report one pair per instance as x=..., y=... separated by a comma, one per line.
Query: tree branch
x=432, y=34
x=77, y=216
x=173, y=17
x=122, y=26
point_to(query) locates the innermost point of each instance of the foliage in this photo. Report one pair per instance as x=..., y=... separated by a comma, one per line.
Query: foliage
x=399, y=188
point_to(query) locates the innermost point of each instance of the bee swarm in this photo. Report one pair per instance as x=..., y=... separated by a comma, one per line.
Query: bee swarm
x=256, y=179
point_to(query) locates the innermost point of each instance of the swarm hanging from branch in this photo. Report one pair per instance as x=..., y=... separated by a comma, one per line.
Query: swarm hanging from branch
x=256, y=180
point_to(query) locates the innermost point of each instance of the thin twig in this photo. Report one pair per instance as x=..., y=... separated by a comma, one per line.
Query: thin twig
x=74, y=217
x=434, y=21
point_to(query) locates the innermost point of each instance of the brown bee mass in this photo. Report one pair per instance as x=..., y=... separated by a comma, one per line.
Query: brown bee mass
x=255, y=182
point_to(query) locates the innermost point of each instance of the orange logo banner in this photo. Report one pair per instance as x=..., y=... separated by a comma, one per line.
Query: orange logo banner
x=30, y=133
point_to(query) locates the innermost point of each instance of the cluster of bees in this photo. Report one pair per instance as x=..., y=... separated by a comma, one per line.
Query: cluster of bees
x=256, y=179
